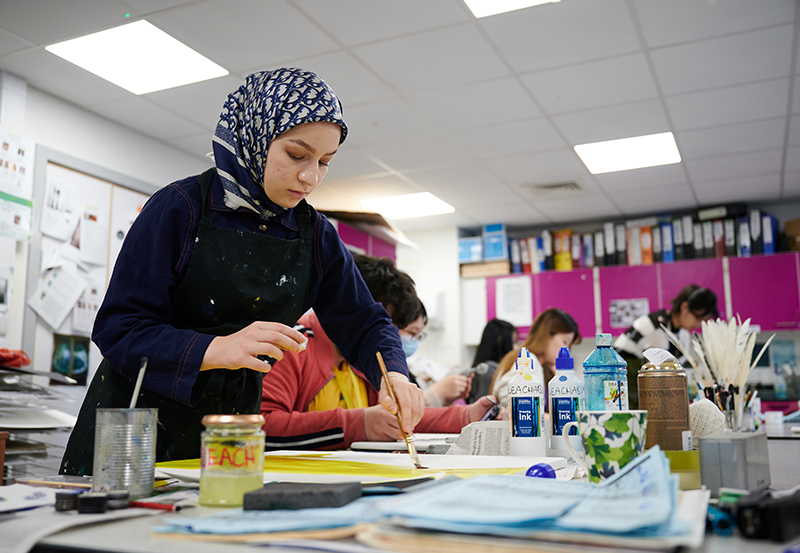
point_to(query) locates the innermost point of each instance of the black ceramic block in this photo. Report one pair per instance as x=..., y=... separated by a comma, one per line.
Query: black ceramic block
x=291, y=495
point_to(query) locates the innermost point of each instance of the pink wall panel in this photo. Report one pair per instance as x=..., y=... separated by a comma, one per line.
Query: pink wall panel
x=620, y=283
x=765, y=289
x=353, y=237
x=572, y=292
x=703, y=272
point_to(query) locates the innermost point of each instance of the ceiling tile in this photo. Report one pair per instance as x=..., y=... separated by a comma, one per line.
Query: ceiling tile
x=468, y=175
x=243, y=34
x=425, y=150
x=518, y=214
x=595, y=125
x=796, y=95
x=654, y=199
x=352, y=82
x=748, y=189
x=10, y=43
x=737, y=59
x=729, y=105
x=436, y=221
x=741, y=165
x=385, y=121
x=478, y=104
x=792, y=160
x=509, y=139
x=794, y=130
x=197, y=144
x=562, y=165
x=141, y=115
x=679, y=21
x=446, y=58
x=589, y=206
x=146, y=6
x=791, y=185
x=56, y=76
x=613, y=81
x=646, y=178
x=744, y=137
x=350, y=162
x=345, y=18
x=59, y=21
x=198, y=102
x=571, y=32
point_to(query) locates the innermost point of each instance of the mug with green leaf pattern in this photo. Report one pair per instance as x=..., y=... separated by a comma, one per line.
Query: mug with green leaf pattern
x=610, y=439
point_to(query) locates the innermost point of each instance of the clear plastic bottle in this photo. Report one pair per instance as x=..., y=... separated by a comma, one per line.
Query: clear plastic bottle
x=605, y=377
x=566, y=398
x=526, y=410
x=779, y=387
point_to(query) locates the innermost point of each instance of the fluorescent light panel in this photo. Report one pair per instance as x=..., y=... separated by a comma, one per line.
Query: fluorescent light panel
x=138, y=57
x=485, y=8
x=629, y=153
x=409, y=205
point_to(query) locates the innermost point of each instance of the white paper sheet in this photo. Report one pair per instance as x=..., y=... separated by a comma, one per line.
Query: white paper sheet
x=56, y=295
x=513, y=300
x=16, y=217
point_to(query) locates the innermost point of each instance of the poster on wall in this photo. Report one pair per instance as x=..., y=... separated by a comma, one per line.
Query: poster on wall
x=16, y=217
x=56, y=295
x=70, y=358
x=16, y=164
x=61, y=208
x=514, y=300
x=624, y=312
x=85, y=310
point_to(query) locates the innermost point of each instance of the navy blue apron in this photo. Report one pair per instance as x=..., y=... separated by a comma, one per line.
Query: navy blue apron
x=234, y=278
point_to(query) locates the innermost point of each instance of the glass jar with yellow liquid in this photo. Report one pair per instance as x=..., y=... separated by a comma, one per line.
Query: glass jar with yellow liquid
x=231, y=459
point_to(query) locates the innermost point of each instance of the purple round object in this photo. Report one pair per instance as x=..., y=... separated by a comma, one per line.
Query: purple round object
x=541, y=470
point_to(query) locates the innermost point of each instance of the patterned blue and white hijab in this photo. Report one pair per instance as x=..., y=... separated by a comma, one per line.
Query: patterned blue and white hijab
x=266, y=105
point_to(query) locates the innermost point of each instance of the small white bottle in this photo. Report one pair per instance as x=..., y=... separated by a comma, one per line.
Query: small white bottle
x=565, y=390
x=526, y=410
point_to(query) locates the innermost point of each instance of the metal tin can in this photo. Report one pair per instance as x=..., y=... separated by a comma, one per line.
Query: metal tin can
x=664, y=394
x=231, y=458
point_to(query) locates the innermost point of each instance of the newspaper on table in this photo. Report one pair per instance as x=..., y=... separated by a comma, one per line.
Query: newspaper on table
x=482, y=438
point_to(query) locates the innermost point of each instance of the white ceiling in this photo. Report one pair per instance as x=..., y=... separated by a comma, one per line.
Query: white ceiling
x=471, y=110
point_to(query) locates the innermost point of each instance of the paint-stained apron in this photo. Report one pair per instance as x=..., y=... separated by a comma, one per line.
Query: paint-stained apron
x=234, y=278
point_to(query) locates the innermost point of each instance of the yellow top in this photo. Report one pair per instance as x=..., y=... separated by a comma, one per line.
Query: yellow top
x=346, y=390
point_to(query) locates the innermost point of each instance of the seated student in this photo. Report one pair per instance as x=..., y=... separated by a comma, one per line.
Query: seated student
x=316, y=400
x=690, y=307
x=440, y=393
x=498, y=338
x=551, y=330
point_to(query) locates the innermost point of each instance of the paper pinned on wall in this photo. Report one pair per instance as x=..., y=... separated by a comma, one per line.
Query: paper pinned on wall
x=93, y=236
x=16, y=216
x=16, y=164
x=57, y=293
x=514, y=300
x=86, y=308
x=61, y=209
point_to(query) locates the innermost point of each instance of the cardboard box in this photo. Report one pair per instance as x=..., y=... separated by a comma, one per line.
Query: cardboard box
x=470, y=250
x=488, y=269
x=495, y=243
x=793, y=234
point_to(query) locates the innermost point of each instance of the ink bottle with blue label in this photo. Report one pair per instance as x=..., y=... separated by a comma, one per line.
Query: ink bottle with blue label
x=565, y=391
x=526, y=410
x=605, y=377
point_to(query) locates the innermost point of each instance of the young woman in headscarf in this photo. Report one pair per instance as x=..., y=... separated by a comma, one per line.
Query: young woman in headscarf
x=218, y=267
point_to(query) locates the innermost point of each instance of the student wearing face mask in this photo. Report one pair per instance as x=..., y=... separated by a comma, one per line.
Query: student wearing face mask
x=443, y=392
x=551, y=330
x=316, y=399
x=218, y=267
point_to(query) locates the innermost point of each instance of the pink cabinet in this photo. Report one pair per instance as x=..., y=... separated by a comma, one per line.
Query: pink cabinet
x=707, y=273
x=767, y=290
x=572, y=292
x=369, y=244
x=623, y=284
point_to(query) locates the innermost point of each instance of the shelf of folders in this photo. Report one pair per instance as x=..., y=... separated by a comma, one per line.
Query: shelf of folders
x=730, y=230
x=722, y=358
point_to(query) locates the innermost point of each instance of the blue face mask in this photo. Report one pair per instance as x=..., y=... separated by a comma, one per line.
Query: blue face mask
x=409, y=345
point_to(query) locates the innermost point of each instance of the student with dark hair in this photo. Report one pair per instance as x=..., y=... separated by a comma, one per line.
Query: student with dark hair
x=551, y=330
x=499, y=337
x=690, y=307
x=316, y=399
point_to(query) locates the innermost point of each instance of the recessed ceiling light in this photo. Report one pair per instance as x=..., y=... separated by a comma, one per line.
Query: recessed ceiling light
x=629, y=153
x=485, y=8
x=138, y=57
x=409, y=205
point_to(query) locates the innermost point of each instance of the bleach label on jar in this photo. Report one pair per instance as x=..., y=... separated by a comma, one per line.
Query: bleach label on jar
x=615, y=395
x=525, y=416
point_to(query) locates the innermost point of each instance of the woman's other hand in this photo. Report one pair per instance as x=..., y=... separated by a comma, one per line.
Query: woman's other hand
x=241, y=349
x=453, y=387
x=409, y=396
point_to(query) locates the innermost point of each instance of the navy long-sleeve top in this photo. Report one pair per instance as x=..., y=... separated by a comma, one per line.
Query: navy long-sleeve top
x=134, y=319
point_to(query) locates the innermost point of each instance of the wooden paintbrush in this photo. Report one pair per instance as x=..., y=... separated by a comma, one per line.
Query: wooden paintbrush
x=407, y=436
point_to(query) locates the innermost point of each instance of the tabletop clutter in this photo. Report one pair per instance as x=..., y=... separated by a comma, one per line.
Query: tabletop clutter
x=650, y=473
